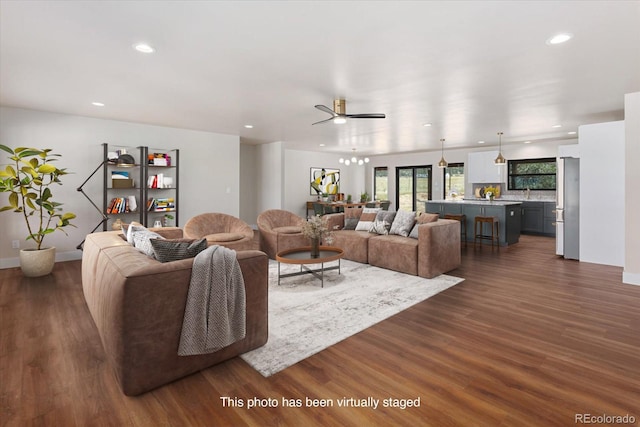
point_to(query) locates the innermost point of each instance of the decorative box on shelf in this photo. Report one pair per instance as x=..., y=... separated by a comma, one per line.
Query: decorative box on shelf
x=122, y=183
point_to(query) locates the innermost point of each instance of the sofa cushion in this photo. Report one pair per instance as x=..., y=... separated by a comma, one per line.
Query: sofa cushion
x=289, y=229
x=353, y=243
x=351, y=218
x=394, y=253
x=224, y=237
x=166, y=250
x=403, y=223
x=367, y=218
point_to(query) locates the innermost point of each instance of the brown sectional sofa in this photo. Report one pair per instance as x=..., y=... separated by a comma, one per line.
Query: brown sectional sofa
x=138, y=303
x=435, y=251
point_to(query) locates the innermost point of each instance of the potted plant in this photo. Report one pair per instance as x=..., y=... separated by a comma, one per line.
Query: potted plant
x=28, y=180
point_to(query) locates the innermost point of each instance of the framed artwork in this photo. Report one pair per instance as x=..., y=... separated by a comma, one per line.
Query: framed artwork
x=324, y=180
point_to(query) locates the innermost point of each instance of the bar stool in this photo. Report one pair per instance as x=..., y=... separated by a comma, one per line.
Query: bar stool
x=479, y=222
x=463, y=225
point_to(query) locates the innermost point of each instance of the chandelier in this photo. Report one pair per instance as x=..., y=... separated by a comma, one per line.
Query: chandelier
x=354, y=159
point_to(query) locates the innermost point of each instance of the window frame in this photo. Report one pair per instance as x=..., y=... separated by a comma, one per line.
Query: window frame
x=414, y=183
x=511, y=176
x=444, y=177
x=375, y=169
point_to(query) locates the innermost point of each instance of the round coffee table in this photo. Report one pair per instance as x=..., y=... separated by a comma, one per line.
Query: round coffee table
x=302, y=256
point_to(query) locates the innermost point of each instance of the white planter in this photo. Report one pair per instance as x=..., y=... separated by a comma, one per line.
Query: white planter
x=36, y=263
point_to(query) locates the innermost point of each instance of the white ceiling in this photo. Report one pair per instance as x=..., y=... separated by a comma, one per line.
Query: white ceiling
x=469, y=68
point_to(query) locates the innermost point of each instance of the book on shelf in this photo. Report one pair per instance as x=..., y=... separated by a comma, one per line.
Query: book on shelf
x=159, y=159
x=119, y=205
x=156, y=181
x=161, y=204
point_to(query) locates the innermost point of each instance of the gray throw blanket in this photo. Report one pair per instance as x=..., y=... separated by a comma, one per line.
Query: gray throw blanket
x=215, y=314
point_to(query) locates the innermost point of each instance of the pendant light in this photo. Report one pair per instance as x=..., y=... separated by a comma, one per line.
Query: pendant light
x=500, y=160
x=442, y=163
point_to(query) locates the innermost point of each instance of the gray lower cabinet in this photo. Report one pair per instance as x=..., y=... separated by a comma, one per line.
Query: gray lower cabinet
x=539, y=218
x=509, y=217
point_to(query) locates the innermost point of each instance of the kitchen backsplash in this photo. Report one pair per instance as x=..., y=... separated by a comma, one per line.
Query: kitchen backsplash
x=535, y=195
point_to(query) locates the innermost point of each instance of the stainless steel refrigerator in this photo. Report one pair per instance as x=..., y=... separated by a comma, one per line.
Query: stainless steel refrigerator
x=568, y=207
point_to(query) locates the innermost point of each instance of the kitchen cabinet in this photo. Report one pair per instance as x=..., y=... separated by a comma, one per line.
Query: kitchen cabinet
x=508, y=214
x=481, y=168
x=538, y=218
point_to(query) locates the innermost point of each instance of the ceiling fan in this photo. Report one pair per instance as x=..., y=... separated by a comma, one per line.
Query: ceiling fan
x=339, y=113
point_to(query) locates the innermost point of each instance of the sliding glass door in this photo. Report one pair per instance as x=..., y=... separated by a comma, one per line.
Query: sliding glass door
x=413, y=187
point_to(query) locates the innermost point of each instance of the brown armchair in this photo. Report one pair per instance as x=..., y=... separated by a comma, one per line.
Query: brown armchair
x=220, y=229
x=280, y=230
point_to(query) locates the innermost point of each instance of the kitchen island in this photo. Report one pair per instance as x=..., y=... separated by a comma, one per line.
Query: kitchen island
x=508, y=213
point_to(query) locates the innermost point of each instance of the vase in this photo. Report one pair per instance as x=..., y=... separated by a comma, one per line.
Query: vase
x=36, y=263
x=315, y=248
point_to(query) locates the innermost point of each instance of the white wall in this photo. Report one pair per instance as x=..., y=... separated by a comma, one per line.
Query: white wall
x=248, y=182
x=270, y=174
x=297, y=177
x=631, y=272
x=602, y=193
x=209, y=169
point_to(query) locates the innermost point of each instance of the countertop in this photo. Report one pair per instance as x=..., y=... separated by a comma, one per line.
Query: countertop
x=480, y=202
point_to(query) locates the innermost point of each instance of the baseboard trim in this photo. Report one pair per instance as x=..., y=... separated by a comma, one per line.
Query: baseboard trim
x=60, y=257
x=631, y=278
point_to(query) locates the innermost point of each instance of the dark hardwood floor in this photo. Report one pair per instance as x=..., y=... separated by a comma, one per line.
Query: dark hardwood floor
x=528, y=339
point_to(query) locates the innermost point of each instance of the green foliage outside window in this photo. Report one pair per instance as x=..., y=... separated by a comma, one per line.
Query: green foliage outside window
x=532, y=174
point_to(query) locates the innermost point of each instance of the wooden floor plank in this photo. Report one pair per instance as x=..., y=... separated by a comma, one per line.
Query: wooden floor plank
x=528, y=339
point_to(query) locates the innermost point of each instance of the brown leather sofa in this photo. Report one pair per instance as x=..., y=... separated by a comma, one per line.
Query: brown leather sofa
x=280, y=230
x=434, y=252
x=221, y=229
x=138, y=304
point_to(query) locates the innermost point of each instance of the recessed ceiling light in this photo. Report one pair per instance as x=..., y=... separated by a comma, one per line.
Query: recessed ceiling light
x=480, y=142
x=321, y=145
x=556, y=126
x=248, y=126
x=427, y=125
x=144, y=48
x=97, y=104
x=559, y=38
x=527, y=142
x=572, y=133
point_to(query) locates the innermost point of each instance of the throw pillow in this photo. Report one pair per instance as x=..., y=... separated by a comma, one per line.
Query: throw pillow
x=366, y=219
x=422, y=219
x=382, y=223
x=126, y=231
x=142, y=239
x=351, y=218
x=166, y=250
x=427, y=217
x=403, y=223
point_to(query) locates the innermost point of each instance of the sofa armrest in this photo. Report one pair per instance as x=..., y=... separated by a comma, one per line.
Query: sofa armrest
x=438, y=247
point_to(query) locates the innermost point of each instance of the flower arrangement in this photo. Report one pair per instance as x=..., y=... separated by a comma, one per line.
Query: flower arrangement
x=316, y=228
x=491, y=192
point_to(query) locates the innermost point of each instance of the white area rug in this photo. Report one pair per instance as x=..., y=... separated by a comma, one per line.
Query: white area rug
x=305, y=318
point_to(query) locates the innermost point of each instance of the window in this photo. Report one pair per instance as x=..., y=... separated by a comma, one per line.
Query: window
x=534, y=174
x=453, y=181
x=381, y=183
x=413, y=187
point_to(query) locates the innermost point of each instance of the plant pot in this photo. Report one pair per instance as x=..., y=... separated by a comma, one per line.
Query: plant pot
x=36, y=263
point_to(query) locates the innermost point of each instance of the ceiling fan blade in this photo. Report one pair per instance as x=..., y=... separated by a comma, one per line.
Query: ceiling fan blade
x=326, y=110
x=323, y=121
x=366, y=116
